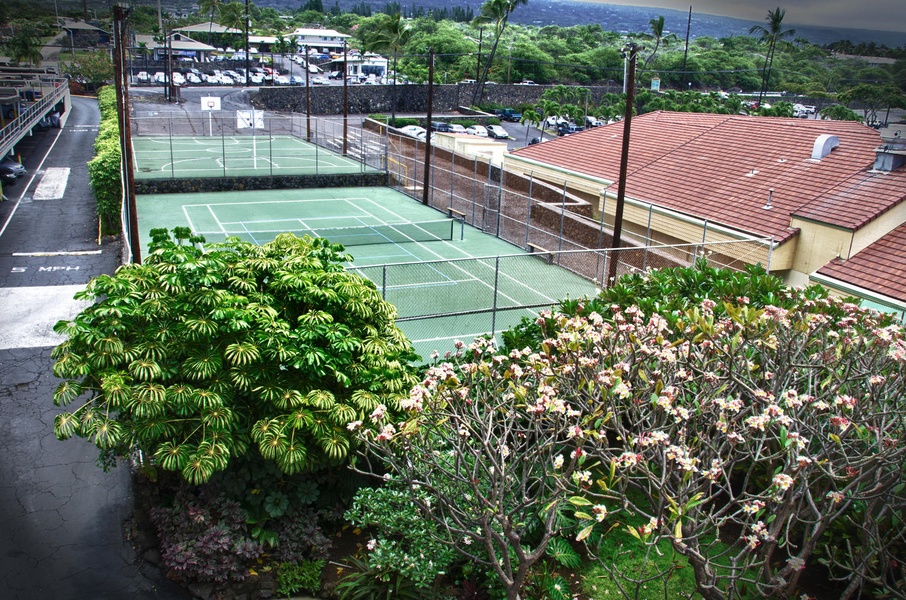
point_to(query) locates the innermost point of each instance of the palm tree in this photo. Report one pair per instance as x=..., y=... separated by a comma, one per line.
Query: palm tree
x=531, y=117
x=142, y=48
x=392, y=33
x=770, y=35
x=496, y=12
x=209, y=7
x=657, y=30
x=25, y=46
x=547, y=108
x=232, y=16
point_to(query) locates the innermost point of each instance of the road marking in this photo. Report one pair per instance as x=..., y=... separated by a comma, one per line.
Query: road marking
x=62, y=253
x=53, y=184
x=29, y=314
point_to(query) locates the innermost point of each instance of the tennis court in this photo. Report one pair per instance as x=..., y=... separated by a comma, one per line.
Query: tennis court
x=237, y=156
x=448, y=280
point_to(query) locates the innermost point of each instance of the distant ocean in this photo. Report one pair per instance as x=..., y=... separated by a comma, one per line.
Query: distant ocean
x=630, y=19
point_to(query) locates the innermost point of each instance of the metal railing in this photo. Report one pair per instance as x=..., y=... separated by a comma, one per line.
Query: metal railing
x=19, y=127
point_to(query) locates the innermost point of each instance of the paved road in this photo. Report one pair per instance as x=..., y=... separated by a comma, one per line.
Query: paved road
x=61, y=517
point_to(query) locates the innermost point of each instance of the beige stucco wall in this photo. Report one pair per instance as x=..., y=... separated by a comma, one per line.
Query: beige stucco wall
x=819, y=244
x=577, y=183
x=878, y=228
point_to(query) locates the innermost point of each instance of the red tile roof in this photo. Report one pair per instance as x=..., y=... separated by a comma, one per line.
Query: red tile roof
x=880, y=268
x=721, y=168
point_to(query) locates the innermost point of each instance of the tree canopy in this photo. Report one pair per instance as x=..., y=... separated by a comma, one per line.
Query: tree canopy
x=197, y=356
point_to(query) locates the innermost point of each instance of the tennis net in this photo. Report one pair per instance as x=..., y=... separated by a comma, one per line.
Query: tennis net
x=424, y=231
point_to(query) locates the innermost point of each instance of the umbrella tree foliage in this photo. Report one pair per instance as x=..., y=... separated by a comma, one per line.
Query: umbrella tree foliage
x=197, y=357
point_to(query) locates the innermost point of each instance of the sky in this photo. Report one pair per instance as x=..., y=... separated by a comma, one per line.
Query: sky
x=889, y=15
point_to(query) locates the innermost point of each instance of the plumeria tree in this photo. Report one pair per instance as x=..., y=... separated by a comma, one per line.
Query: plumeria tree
x=199, y=357
x=484, y=459
x=757, y=438
x=742, y=439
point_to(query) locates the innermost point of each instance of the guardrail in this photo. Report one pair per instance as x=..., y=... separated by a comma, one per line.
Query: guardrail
x=19, y=127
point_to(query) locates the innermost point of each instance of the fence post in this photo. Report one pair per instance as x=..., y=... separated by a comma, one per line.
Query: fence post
x=499, y=205
x=647, y=237
x=474, y=186
x=384, y=282
x=270, y=144
x=601, y=237
x=494, y=305
x=415, y=166
x=223, y=146
x=562, y=221
x=172, y=161
x=770, y=254
x=452, y=176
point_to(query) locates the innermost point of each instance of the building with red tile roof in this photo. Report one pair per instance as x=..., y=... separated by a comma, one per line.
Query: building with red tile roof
x=812, y=191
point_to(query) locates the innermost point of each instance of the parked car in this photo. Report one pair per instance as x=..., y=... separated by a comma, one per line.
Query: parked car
x=142, y=77
x=440, y=126
x=412, y=131
x=178, y=78
x=281, y=80
x=497, y=132
x=10, y=170
x=478, y=130
x=591, y=121
x=509, y=114
x=534, y=140
x=297, y=80
x=193, y=78
x=319, y=81
x=256, y=78
x=336, y=75
x=160, y=77
x=457, y=128
x=568, y=128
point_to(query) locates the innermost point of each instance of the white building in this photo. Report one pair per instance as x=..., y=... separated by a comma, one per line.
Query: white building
x=323, y=40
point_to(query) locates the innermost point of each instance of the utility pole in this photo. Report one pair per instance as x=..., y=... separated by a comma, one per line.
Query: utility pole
x=307, y=98
x=632, y=51
x=427, y=184
x=120, y=15
x=247, y=48
x=345, y=99
x=686, y=52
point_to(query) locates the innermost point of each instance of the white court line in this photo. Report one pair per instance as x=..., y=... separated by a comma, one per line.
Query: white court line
x=456, y=266
x=59, y=253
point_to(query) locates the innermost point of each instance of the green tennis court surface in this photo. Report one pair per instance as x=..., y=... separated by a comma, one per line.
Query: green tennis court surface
x=447, y=281
x=246, y=156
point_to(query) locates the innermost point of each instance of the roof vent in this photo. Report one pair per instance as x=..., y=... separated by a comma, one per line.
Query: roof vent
x=892, y=153
x=823, y=145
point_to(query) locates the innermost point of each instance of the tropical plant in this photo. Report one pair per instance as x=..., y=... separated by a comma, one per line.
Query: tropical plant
x=209, y=8
x=838, y=112
x=770, y=35
x=478, y=459
x=105, y=167
x=657, y=30
x=389, y=33
x=198, y=355
x=304, y=576
x=531, y=117
x=497, y=12
x=874, y=98
x=25, y=45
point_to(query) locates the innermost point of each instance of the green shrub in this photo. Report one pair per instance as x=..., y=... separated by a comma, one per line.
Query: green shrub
x=302, y=577
x=379, y=117
x=104, y=170
x=403, y=122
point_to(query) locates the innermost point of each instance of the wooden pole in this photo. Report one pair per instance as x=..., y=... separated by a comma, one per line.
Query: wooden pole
x=633, y=52
x=427, y=184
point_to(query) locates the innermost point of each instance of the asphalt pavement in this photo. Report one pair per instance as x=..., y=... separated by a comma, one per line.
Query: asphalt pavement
x=62, y=519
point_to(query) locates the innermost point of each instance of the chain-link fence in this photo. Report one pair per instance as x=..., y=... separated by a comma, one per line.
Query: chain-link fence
x=218, y=143
x=538, y=216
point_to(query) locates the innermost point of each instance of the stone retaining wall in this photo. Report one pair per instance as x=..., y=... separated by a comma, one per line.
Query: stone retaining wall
x=411, y=98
